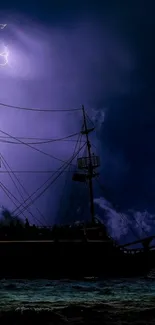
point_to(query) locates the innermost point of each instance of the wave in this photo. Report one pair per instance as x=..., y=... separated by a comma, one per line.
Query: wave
x=106, y=313
x=129, y=225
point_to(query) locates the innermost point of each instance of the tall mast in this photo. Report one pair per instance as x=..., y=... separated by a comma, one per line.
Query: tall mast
x=90, y=166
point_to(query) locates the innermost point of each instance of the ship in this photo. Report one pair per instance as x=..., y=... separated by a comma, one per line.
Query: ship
x=78, y=250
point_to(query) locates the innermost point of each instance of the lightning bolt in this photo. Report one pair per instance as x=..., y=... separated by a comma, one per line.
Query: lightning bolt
x=2, y=26
x=4, y=55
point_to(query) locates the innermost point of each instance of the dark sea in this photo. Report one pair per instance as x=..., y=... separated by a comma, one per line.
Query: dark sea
x=92, y=301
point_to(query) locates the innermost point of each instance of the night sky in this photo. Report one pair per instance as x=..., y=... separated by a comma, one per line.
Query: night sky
x=97, y=53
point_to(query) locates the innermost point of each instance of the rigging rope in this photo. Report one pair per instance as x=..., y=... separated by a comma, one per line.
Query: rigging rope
x=34, y=148
x=71, y=197
x=5, y=190
x=33, y=171
x=11, y=178
x=2, y=139
x=78, y=141
x=19, y=182
x=38, y=109
x=65, y=165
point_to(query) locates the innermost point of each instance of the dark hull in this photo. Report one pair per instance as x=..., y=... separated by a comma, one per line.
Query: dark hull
x=70, y=260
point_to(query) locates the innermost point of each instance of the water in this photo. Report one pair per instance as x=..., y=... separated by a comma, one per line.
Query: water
x=81, y=302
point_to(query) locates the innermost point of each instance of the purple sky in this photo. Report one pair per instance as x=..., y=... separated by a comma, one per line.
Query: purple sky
x=54, y=68
x=58, y=67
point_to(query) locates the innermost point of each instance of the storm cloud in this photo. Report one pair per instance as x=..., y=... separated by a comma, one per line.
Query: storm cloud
x=104, y=62
x=55, y=68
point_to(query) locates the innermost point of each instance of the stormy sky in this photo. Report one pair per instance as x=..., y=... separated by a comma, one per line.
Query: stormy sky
x=65, y=54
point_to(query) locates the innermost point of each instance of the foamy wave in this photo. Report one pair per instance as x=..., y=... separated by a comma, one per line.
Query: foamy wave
x=120, y=224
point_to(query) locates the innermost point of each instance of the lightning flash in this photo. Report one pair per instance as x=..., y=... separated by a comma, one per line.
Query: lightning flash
x=4, y=56
x=2, y=26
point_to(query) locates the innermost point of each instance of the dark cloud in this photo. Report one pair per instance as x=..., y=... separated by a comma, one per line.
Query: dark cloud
x=128, y=130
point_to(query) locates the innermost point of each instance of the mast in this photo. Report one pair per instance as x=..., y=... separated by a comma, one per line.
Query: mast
x=90, y=166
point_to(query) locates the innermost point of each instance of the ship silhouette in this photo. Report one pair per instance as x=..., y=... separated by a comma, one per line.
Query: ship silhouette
x=77, y=250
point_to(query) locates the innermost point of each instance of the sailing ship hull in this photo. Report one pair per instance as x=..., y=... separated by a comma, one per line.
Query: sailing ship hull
x=49, y=259
x=54, y=258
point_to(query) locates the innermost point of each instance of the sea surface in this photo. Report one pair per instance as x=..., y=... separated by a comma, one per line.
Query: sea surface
x=121, y=301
